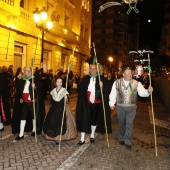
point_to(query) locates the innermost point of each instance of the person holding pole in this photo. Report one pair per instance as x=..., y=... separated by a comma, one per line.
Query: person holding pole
x=53, y=121
x=124, y=93
x=89, y=109
x=24, y=118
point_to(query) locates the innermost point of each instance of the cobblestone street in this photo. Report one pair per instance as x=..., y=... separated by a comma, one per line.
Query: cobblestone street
x=43, y=155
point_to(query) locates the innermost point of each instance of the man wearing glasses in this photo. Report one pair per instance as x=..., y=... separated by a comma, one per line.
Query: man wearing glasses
x=23, y=114
x=89, y=110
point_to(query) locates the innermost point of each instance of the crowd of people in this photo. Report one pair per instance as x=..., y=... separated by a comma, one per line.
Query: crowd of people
x=92, y=113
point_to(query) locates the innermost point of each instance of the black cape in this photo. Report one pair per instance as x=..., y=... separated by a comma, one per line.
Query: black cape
x=40, y=109
x=5, y=94
x=82, y=111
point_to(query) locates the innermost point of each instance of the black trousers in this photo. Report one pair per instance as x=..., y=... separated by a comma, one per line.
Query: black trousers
x=94, y=108
x=27, y=108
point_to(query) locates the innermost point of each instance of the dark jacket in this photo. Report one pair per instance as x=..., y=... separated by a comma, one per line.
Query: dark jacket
x=40, y=109
x=5, y=95
x=82, y=109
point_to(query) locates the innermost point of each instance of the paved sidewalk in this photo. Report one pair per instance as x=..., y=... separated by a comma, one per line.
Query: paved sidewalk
x=43, y=155
x=142, y=156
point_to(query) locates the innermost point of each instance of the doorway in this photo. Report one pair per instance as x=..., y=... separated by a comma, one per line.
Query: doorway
x=17, y=62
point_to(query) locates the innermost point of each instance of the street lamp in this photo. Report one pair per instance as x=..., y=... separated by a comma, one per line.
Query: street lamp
x=110, y=60
x=40, y=18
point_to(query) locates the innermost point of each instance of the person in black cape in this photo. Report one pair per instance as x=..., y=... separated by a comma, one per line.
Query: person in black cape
x=89, y=109
x=5, y=113
x=23, y=116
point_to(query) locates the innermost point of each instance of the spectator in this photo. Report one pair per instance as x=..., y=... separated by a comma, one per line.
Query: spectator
x=110, y=81
x=49, y=79
x=5, y=113
x=18, y=75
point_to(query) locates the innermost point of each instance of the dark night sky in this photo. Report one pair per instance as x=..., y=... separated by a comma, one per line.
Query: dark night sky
x=150, y=33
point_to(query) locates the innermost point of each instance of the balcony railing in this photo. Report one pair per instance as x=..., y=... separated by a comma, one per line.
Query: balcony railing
x=25, y=14
x=9, y=2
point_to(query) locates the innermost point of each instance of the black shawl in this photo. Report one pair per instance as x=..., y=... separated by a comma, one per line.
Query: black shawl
x=5, y=95
x=82, y=110
x=40, y=109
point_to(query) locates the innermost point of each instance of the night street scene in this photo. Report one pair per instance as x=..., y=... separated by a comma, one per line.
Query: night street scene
x=85, y=85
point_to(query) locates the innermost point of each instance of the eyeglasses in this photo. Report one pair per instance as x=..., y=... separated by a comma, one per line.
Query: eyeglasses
x=93, y=68
x=27, y=70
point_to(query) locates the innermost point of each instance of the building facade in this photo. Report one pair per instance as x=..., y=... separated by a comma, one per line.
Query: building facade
x=114, y=33
x=165, y=38
x=69, y=40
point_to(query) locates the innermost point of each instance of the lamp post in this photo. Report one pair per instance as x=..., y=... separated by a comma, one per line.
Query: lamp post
x=110, y=61
x=42, y=22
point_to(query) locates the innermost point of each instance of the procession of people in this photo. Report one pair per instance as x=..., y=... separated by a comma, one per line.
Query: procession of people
x=93, y=112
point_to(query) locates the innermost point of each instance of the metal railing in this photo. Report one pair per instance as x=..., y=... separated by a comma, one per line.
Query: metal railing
x=9, y=2
x=25, y=14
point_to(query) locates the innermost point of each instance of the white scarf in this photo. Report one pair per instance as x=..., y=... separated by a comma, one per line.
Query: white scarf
x=57, y=96
x=91, y=88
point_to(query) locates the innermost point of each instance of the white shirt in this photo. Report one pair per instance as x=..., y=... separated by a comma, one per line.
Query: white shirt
x=113, y=95
x=26, y=88
x=91, y=88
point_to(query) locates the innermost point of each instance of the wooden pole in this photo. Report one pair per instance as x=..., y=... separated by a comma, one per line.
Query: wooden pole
x=101, y=96
x=35, y=129
x=59, y=146
x=153, y=117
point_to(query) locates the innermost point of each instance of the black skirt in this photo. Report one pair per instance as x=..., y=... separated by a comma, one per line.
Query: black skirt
x=53, y=120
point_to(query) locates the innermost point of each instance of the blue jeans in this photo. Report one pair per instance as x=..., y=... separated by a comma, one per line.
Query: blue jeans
x=126, y=116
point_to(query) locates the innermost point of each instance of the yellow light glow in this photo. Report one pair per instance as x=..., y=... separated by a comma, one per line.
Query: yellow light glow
x=11, y=26
x=82, y=3
x=61, y=44
x=49, y=24
x=43, y=14
x=36, y=18
x=65, y=31
x=77, y=37
x=110, y=59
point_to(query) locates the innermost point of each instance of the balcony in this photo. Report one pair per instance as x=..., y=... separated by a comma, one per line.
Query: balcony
x=25, y=14
x=9, y=2
x=8, y=7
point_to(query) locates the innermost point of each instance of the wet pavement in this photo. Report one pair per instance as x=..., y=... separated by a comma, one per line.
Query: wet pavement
x=43, y=155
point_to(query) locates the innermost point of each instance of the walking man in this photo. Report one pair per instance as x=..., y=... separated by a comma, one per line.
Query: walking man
x=124, y=93
x=89, y=110
x=23, y=114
